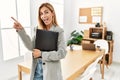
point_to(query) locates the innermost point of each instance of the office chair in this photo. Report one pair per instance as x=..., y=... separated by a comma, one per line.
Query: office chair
x=103, y=44
x=90, y=70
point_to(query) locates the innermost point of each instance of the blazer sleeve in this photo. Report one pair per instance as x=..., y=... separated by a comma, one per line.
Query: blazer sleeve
x=28, y=42
x=60, y=53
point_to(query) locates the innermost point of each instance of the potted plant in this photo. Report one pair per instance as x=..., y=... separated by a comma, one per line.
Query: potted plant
x=75, y=38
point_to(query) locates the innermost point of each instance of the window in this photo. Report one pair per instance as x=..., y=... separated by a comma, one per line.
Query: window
x=59, y=10
x=12, y=45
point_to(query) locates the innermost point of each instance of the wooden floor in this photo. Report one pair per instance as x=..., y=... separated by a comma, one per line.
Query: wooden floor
x=112, y=73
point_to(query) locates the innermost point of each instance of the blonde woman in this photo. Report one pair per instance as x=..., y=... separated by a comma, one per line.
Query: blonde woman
x=48, y=67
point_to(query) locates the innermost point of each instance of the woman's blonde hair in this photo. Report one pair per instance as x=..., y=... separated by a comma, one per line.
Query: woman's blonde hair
x=50, y=7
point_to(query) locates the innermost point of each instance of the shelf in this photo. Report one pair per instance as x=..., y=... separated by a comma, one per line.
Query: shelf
x=101, y=30
x=88, y=39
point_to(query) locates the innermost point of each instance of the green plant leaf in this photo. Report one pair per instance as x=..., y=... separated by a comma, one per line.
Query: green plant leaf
x=75, y=37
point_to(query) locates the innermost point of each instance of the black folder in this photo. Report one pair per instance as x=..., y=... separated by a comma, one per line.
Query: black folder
x=46, y=40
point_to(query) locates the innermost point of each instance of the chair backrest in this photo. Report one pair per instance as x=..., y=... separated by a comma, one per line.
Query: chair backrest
x=103, y=44
x=90, y=70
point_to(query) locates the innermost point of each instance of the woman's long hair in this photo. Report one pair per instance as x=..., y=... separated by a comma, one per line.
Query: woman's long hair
x=54, y=20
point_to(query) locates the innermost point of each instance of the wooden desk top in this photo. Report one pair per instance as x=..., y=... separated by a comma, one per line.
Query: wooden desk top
x=25, y=64
x=76, y=62
x=25, y=67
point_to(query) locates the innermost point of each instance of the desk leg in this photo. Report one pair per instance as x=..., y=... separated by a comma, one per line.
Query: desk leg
x=102, y=64
x=19, y=73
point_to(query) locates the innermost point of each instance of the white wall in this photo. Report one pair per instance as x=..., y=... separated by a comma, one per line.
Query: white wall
x=67, y=18
x=110, y=16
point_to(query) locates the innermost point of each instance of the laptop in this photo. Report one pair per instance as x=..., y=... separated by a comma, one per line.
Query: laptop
x=88, y=46
x=46, y=40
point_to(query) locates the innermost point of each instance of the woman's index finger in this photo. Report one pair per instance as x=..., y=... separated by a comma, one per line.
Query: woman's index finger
x=14, y=19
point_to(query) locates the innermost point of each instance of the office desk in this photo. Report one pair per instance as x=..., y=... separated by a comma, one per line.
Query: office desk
x=73, y=64
x=23, y=67
x=77, y=61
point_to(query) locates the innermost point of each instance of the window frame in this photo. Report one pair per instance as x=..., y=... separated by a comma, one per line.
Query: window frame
x=17, y=15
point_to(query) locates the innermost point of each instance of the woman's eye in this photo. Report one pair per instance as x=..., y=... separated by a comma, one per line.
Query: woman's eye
x=46, y=12
x=41, y=13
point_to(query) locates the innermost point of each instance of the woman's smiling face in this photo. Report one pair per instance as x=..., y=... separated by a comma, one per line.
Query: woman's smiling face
x=46, y=15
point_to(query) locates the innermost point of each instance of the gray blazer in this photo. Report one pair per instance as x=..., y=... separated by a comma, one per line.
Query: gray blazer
x=51, y=59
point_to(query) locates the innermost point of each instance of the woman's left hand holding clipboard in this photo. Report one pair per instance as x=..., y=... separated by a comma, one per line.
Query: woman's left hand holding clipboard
x=17, y=25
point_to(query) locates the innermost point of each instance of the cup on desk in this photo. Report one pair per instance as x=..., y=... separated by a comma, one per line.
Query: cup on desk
x=71, y=47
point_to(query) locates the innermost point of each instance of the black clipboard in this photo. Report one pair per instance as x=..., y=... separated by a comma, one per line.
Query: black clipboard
x=46, y=40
